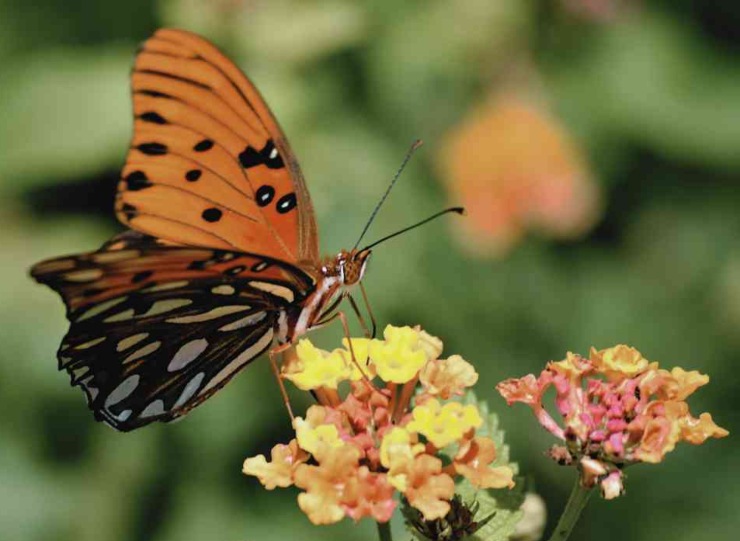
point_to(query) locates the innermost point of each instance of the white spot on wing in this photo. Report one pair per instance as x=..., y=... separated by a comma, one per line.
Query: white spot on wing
x=124, y=389
x=115, y=255
x=154, y=408
x=123, y=416
x=91, y=343
x=129, y=341
x=100, y=308
x=142, y=352
x=86, y=275
x=243, y=358
x=161, y=307
x=211, y=314
x=251, y=319
x=120, y=316
x=167, y=285
x=223, y=289
x=187, y=354
x=274, y=289
x=190, y=389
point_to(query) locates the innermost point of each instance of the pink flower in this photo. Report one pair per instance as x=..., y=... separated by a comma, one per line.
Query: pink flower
x=617, y=409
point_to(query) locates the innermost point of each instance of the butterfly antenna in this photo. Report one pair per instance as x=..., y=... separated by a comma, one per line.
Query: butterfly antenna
x=457, y=210
x=410, y=153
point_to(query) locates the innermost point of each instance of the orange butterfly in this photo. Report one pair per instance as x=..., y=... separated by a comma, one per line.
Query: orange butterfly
x=222, y=260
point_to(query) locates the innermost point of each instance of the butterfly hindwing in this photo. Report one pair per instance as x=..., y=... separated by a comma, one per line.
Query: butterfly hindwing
x=208, y=164
x=155, y=330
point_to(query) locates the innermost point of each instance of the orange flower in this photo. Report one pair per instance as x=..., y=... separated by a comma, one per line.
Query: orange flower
x=279, y=472
x=429, y=490
x=447, y=377
x=473, y=461
x=514, y=167
x=324, y=484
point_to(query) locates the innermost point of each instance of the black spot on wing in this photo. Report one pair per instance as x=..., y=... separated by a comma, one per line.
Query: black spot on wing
x=268, y=156
x=212, y=215
x=202, y=146
x=137, y=180
x=129, y=211
x=193, y=175
x=153, y=117
x=286, y=203
x=264, y=195
x=153, y=149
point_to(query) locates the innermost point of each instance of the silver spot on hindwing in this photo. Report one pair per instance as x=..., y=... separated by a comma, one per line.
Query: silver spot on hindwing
x=159, y=307
x=211, y=314
x=274, y=289
x=85, y=275
x=100, y=308
x=244, y=322
x=154, y=408
x=115, y=255
x=243, y=358
x=124, y=389
x=130, y=341
x=91, y=343
x=166, y=286
x=190, y=389
x=223, y=289
x=142, y=352
x=187, y=354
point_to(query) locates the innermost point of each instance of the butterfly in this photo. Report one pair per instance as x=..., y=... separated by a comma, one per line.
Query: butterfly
x=221, y=260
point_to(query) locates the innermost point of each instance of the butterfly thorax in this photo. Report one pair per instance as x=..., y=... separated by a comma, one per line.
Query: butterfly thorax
x=337, y=276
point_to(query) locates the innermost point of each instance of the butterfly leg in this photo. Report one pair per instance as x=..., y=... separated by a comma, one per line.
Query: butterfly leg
x=356, y=310
x=345, y=325
x=369, y=310
x=273, y=353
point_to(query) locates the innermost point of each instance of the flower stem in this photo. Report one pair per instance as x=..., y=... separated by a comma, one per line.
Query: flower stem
x=576, y=503
x=384, y=531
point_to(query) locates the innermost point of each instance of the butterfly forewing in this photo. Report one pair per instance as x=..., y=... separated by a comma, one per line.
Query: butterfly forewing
x=209, y=165
x=157, y=329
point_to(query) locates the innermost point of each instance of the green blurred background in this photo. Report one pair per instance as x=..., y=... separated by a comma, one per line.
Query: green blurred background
x=648, y=95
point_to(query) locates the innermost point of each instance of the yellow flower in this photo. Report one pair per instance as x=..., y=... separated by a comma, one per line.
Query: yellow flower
x=572, y=366
x=442, y=425
x=314, y=434
x=361, y=349
x=397, y=451
x=431, y=345
x=447, y=377
x=619, y=361
x=399, y=358
x=279, y=472
x=317, y=368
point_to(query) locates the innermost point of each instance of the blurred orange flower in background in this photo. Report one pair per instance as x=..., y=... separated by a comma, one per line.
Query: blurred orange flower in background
x=514, y=167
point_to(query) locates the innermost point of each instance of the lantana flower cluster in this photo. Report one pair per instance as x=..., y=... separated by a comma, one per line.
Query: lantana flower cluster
x=388, y=435
x=617, y=409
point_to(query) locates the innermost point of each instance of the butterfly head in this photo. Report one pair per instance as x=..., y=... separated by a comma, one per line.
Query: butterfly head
x=348, y=266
